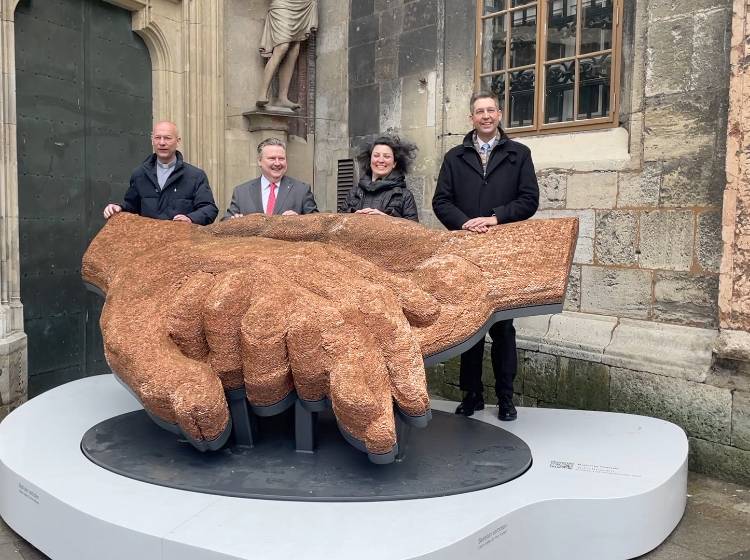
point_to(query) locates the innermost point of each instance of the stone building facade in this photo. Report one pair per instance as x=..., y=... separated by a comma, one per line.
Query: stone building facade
x=205, y=72
x=655, y=317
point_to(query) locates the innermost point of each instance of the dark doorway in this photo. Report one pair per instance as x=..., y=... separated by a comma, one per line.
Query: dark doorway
x=83, y=83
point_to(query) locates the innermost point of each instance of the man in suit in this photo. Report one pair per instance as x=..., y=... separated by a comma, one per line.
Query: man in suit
x=485, y=181
x=165, y=187
x=273, y=192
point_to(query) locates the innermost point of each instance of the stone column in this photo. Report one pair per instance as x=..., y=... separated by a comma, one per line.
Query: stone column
x=186, y=43
x=13, y=364
x=264, y=124
x=734, y=285
x=203, y=135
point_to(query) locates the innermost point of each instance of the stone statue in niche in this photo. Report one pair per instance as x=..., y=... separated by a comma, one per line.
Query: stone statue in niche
x=327, y=306
x=288, y=23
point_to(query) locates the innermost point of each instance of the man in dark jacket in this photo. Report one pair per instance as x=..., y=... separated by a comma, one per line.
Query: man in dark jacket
x=486, y=181
x=165, y=187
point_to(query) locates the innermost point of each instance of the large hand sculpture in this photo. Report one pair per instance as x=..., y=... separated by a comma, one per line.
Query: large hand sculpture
x=329, y=306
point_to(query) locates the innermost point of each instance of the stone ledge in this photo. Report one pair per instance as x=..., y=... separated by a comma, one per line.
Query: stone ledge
x=733, y=345
x=593, y=150
x=719, y=460
x=670, y=350
x=578, y=335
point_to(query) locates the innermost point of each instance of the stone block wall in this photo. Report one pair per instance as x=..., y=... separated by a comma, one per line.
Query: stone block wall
x=641, y=329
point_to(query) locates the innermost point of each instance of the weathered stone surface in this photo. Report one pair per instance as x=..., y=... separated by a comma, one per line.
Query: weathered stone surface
x=578, y=335
x=13, y=370
x=420, y=13
x=616, y=237
x=417, y=51
x=416, y=97
x=708, y=241
x=583, y=385
x=710, y=60
x=362, y=31
x=416, y=185
x=667, y=239
x=623, y=292
x=701, y=410
x=733, y=344
x=729, y=374
x=741, y=420
x=667, y=66
x=592, y=190
x=381, y=5
x=686, y=299
x=671, y=8
x=573, y=293
x=680, y=125
x=586, y=221
x=540, y=376
x=552, y=190
x=362, y=65
x=391, y=25
x=671, y=350
x=442, y=380
x=531, y=330
x=362, y=119
x=390, y=104
x=721, y=461
x=697, y=180
x=361, y=8
x=640, y=188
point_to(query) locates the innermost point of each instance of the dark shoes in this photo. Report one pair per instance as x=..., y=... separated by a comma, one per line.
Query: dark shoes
x=472, y=401
x=505, y=409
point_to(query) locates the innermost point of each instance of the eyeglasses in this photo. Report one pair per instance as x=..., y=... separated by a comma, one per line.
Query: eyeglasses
x=487, y=111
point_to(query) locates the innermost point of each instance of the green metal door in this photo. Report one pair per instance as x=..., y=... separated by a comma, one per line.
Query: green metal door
x=83, y=82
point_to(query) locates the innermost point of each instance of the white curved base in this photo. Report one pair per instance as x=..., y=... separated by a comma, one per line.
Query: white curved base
x=602, y=486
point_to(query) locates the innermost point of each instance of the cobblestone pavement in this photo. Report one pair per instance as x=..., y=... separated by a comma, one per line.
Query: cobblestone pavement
x=716, y=526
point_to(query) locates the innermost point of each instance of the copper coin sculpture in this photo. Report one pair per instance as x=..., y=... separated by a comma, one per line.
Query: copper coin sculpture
x=339, y=307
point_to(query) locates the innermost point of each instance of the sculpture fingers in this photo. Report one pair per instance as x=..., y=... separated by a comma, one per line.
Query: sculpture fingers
x=267, y=375
x=180, y=393
x=224, y=308
x=360, y=388
x=401, y=353
x=185, y=316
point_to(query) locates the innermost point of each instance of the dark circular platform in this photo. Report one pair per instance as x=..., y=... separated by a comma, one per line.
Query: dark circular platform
x=452, y=455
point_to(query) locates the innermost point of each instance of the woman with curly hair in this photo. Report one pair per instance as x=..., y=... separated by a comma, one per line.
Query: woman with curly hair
x=382, y=187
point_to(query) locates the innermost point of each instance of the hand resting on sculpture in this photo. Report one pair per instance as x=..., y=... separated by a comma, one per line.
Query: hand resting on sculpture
x=335, y=306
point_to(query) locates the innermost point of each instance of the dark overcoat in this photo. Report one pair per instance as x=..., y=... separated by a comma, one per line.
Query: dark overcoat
x=508, y=189
x=186, y=192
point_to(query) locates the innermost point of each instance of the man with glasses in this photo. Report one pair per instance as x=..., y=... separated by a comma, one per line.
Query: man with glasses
x=486, y=181
x=165, y=187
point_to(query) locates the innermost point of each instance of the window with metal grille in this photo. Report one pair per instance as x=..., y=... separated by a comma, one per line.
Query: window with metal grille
x=344, y=180
x=554, y=64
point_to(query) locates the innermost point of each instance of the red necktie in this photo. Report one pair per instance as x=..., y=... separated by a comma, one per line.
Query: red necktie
x=271, y=199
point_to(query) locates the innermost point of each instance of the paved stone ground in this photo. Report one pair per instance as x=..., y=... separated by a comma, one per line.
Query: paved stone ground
x=716, y=526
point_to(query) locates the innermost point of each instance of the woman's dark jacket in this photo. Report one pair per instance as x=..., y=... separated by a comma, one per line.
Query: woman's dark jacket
x=390, y=195
x=186, y=192
x=508, y=189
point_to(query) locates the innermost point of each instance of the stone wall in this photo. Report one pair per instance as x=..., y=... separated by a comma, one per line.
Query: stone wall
x=641, y=326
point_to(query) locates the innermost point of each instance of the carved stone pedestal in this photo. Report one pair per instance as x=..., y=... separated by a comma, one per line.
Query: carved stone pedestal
x=268, y=122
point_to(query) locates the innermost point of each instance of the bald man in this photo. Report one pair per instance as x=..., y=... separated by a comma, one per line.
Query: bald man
x=165, y=187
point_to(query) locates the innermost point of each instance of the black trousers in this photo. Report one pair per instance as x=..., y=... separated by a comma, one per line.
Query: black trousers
x=504, y=361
